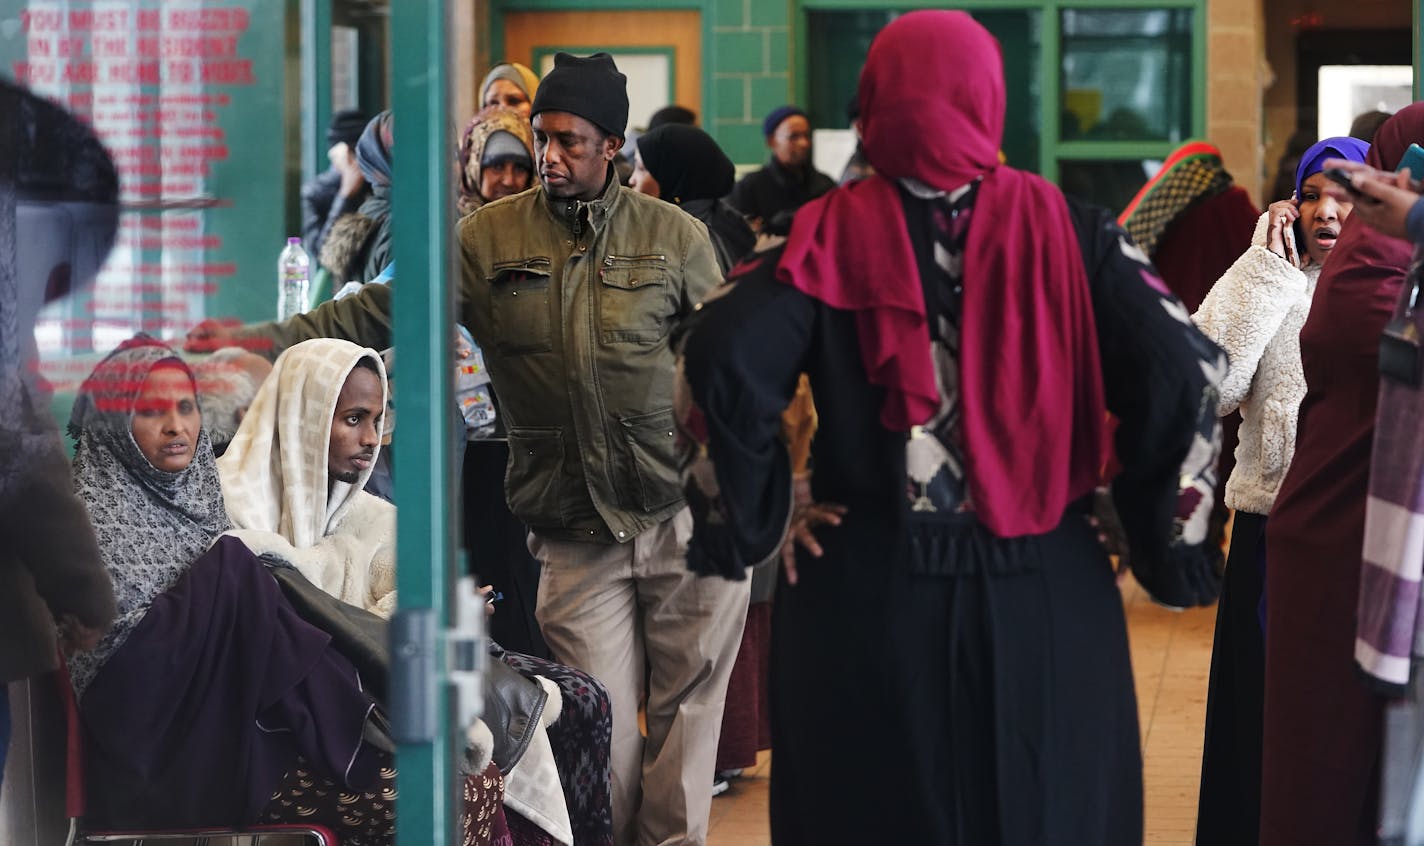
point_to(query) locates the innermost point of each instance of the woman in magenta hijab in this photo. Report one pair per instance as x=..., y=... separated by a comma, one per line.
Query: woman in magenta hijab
x=951, y=618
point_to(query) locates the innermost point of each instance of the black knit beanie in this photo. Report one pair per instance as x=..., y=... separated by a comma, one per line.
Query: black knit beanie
x=347, y=126
x=591, y=87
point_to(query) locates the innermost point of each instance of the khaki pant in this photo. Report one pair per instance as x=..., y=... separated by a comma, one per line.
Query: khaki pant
x=619, y=611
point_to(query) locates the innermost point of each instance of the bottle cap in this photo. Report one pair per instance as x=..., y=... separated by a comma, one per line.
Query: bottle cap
x=294, y=240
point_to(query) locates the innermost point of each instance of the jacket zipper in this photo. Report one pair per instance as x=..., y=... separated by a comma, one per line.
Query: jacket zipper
x=609, y=261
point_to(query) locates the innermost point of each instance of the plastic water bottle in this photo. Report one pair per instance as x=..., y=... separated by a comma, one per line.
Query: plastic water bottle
x=293, y=280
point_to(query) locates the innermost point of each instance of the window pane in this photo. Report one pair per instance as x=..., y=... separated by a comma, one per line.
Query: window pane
x=345, y=65
x=1350, y=90
x=838, y=41
x=1110, y=184
x=1127, y=75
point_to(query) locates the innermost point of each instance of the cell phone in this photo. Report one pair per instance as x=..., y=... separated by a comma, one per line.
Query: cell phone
x=1413, y=161
x=1288, y=237
x=1341, y=177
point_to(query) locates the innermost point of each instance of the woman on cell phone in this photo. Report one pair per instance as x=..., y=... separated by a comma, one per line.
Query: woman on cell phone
x=1255, y=312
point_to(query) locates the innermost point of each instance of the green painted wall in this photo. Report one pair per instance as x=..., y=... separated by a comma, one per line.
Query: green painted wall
x=213, y=112
x=747, y=48
x=756, y=58
x=749, y=71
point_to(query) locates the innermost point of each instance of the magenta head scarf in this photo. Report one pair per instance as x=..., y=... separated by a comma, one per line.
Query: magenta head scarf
x=945, y=140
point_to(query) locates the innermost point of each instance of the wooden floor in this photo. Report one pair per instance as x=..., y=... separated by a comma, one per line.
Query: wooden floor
x=1171, y=654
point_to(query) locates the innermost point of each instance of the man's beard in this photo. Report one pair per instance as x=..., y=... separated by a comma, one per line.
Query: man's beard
x=350, y=477
x=567, y=192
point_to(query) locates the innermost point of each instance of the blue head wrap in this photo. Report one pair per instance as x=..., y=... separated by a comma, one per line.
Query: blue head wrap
x=373, y=150
x=776, y=117
x=1312, y=161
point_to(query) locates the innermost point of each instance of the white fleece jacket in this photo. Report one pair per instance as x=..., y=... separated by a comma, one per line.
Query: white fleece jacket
x=1255, y=312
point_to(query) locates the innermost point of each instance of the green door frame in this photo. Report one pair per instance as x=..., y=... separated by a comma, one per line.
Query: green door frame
x=316, y=84
x=421, y=230
x=1051, y=150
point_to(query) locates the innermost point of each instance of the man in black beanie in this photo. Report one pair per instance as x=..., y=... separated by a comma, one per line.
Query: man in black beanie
x=572, y=291
x=338, y=189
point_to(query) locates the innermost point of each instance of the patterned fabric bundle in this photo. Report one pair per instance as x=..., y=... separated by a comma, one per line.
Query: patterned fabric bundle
x=1191, y=174
x=150, y=523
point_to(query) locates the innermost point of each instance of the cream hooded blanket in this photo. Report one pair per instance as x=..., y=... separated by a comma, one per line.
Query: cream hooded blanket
x=279, y=496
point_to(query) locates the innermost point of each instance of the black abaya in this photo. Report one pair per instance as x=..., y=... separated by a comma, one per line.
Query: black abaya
x=932, y=683
x=1229, y=809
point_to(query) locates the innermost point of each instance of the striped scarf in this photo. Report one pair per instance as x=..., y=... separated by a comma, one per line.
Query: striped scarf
x=1390, y=630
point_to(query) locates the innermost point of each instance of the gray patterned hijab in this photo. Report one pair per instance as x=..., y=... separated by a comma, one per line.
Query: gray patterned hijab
x=150, y=523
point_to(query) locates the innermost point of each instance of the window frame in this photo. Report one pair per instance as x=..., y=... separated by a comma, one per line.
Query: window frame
x=1052, y=149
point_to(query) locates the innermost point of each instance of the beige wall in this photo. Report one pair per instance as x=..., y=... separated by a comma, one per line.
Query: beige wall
x=1251, y=70
x=469, y=59
x=1236, y=77
x=1283, y=18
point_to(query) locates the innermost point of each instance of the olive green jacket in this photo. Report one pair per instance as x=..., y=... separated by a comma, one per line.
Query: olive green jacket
x=573, y=304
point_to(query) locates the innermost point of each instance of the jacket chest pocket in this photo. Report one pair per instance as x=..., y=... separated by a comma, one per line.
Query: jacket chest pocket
x=636, y=301
x=520, y=310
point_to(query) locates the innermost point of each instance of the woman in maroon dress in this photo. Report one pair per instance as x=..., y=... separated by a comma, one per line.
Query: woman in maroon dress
x=1320, y=767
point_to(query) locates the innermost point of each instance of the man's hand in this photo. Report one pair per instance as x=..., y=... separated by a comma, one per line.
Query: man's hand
x=484, y=592
x=351, y=176
x=210, y=335
x=807, y=516
x=1391, y=196
x=1104, y=519
x=343, y=158
x=74, y=636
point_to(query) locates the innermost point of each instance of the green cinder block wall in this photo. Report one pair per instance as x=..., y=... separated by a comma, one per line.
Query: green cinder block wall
x=749, y=63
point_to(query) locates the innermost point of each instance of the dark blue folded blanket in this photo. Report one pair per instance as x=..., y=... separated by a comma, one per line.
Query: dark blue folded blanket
x=195, y=719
